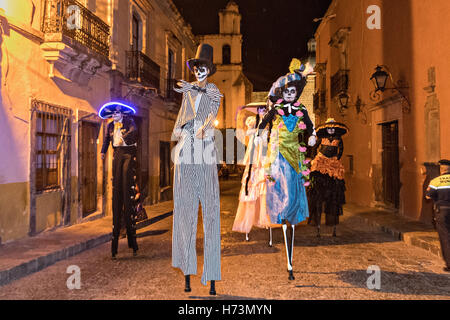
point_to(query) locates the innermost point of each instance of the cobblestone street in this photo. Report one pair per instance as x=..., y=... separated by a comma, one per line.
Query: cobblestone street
x=324, y=268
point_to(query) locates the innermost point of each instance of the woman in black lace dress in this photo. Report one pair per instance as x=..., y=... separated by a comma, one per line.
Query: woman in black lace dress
x=327, y=191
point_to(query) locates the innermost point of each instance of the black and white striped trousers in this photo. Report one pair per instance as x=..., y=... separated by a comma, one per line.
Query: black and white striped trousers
x=194, y=183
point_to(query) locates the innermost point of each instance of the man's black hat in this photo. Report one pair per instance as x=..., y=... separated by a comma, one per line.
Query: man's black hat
x=204, y=56
x=444, y=162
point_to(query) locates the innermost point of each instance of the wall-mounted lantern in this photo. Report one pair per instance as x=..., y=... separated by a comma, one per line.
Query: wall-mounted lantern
x=379, y=79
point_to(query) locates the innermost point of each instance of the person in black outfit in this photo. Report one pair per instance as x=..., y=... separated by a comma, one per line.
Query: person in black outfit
x=122, y=133
x=327, y=176
x=439, y=192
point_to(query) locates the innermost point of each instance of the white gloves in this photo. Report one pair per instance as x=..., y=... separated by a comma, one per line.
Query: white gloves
x=312, y=141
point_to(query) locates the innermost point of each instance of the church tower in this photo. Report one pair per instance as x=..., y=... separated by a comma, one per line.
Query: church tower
x=229, y=78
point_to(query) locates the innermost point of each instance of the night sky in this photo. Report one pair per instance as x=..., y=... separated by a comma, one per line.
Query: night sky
x=274, y=31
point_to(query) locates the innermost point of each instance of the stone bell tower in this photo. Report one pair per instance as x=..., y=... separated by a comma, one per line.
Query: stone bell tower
x=229, y=78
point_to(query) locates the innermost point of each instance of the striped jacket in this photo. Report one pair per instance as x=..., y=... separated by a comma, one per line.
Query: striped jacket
x=189, y=121
x=439, y=190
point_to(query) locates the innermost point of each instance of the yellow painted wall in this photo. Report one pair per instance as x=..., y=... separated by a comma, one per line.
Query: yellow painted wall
x=14, y=211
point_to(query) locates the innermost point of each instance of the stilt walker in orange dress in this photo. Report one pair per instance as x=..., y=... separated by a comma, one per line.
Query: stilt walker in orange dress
x=327, y=191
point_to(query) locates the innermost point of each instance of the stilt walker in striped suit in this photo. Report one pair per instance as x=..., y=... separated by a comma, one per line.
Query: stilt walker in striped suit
x=196, y=178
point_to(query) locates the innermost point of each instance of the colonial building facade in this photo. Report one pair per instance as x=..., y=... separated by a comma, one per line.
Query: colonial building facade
x=60, y=61
x=396, y=135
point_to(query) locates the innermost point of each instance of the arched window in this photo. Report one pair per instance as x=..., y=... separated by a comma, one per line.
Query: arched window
x=226, y=54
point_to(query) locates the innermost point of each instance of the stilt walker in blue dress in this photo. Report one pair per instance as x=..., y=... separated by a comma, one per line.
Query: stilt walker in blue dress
x=287, y=167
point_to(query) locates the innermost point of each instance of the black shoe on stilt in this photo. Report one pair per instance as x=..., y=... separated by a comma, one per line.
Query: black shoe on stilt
x=334, y=231
x=212, y=290
x=291, y=275
x=187, y=283
x=114, y=247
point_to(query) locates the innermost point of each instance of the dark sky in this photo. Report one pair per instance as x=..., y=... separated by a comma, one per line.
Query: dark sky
x=274, y=31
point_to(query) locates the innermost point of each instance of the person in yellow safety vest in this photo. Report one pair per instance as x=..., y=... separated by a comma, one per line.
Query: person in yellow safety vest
x=439, y=191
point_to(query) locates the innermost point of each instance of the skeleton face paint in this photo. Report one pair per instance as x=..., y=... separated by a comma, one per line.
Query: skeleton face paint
x=201, y=73
x=331, y=131
x=117, y=116
x=289, y=94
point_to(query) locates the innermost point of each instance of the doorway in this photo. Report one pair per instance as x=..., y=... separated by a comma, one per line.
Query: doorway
x=89, y=134
x=390, y=164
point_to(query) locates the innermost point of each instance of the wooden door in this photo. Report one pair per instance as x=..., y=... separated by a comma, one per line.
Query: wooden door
x=390, y=163
x=89, y=167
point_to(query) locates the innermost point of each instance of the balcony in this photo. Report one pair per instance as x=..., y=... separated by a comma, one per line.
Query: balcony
x=142, y=69
x=339, y=82
x=76, y=41
x=319, y=105
x=172, y=96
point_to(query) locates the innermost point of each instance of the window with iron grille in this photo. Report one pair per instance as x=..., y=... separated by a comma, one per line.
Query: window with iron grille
x=52, y=144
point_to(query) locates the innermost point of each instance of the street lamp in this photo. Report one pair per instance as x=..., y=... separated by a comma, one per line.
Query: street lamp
x=344, y=104
x=379, y=79
x=343, y=100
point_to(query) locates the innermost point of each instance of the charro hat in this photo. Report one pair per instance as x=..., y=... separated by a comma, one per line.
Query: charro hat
x=340, y=128
x=108, y=109
x=204, y=55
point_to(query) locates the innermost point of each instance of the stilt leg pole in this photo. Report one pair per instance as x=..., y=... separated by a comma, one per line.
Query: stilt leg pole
x=270, y=237
x=187, y=283
x=286, y=245
x=212, y=290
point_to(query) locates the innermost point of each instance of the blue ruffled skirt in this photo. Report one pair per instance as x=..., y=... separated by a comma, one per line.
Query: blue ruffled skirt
x=286, y=198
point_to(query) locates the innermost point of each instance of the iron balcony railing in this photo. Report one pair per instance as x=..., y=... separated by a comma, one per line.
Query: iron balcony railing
x=171, y=94
x=339, y=82
x=70, y=18
x=142, y=69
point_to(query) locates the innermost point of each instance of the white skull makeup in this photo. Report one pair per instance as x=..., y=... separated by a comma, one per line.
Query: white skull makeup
x=331, y=131
x=289, y=94
x=201, y=72
x=117, y=116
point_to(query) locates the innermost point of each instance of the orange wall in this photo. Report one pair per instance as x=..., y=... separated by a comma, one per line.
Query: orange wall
x=411, y=40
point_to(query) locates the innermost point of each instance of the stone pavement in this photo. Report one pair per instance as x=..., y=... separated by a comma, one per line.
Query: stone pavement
x=23, y=257
x=411, y=232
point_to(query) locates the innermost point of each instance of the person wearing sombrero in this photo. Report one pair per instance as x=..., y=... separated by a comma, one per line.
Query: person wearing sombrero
x=195, y=173
x=286, y=164
x=327, y=191
x=122, y=134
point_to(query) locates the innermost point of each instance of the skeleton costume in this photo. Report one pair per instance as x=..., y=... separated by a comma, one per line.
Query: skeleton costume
x=252, y=197
x=327, y=192
x=122, y=133
x=286, y=164
x=196, y=177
